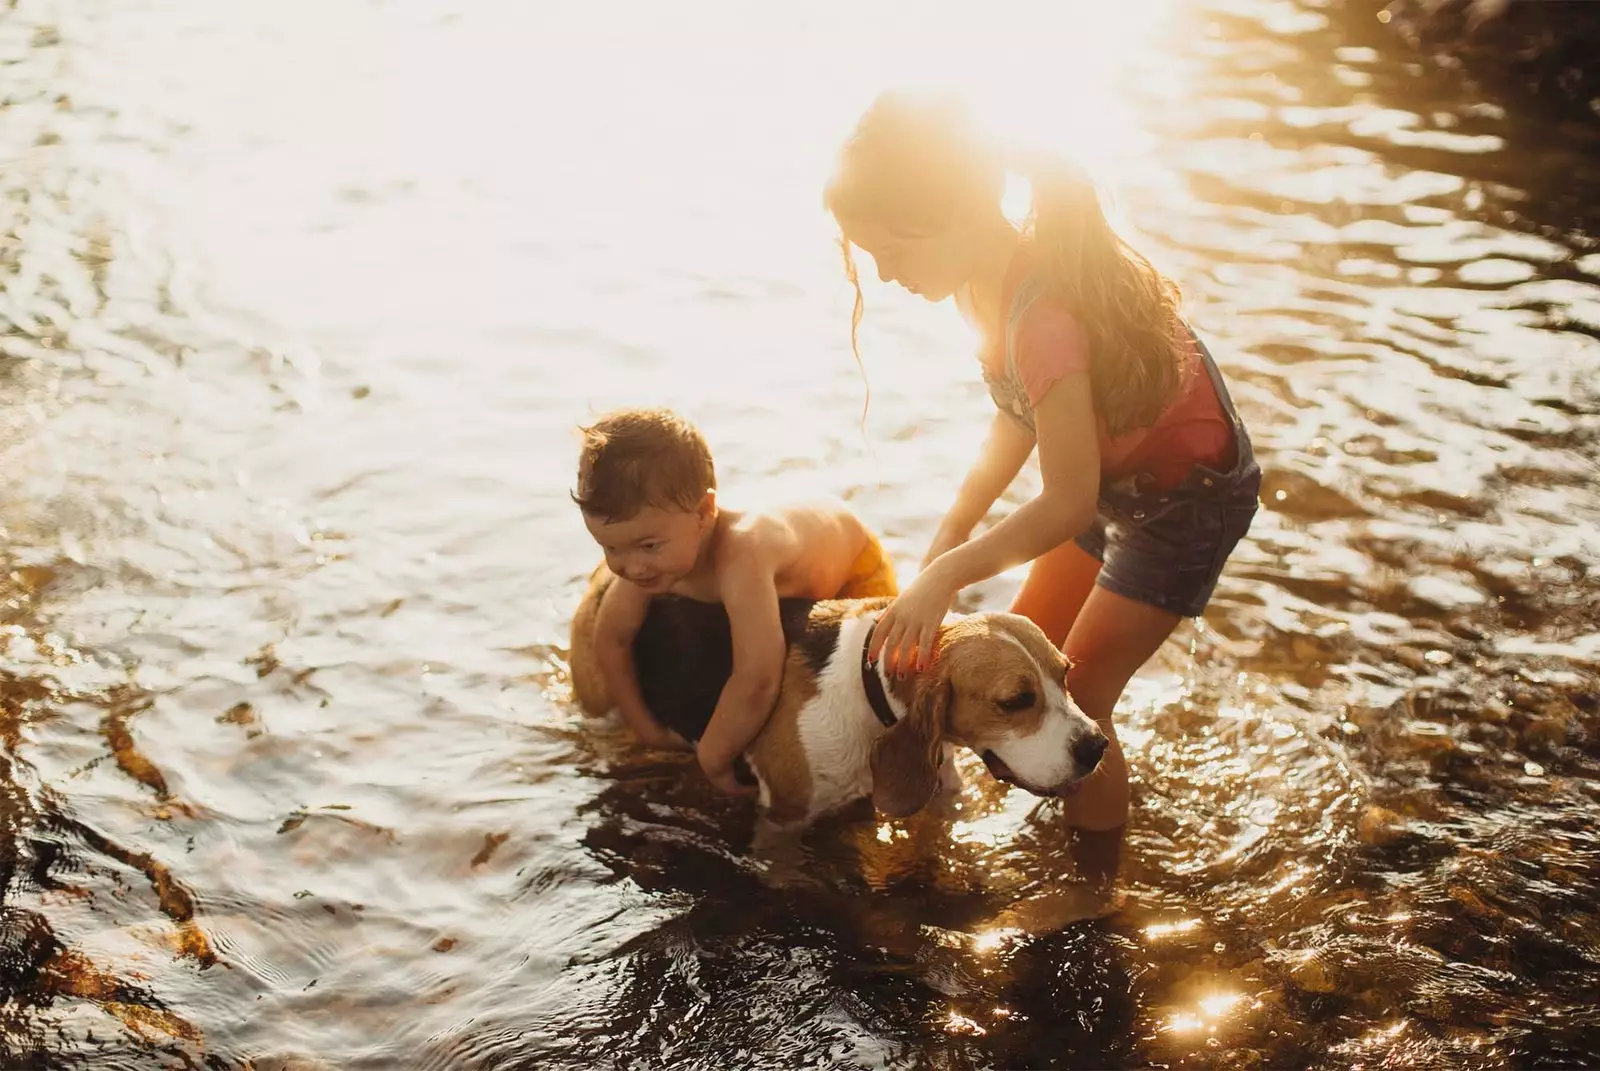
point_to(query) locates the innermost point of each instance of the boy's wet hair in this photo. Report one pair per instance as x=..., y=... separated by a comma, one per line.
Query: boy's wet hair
x=633, y=459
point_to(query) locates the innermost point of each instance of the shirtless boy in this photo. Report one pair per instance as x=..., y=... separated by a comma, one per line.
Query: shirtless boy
x=647, y=489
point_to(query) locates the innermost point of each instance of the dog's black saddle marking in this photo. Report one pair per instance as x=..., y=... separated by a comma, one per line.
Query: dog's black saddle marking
x=683, y=653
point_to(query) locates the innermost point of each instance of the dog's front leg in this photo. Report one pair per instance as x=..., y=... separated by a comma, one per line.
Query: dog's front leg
x=950, y=781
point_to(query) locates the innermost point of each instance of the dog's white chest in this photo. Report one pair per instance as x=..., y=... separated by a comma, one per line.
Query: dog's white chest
x=837, y=727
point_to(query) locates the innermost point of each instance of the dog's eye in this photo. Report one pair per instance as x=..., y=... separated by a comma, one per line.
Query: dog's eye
x=1021, y=701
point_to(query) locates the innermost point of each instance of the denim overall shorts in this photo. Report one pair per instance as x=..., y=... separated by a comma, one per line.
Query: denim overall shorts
x=1163, y=548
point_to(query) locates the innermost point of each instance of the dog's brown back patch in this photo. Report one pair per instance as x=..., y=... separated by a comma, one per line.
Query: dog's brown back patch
x=777, y=754
x=588, y=683
x=821, y=636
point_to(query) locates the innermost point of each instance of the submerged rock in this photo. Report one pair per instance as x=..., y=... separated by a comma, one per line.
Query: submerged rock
x=1379, y=826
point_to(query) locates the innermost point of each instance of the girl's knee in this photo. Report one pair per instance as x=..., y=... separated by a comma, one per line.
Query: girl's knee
x=1096, y=687
x=1102, y=803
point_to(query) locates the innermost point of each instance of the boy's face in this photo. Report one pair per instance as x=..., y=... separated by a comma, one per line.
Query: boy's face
x=656, y=547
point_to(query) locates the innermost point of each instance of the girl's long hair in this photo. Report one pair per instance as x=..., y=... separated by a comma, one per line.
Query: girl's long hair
x=915, y=163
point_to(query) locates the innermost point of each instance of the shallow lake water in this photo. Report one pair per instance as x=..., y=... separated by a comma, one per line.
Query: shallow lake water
x=299, y=304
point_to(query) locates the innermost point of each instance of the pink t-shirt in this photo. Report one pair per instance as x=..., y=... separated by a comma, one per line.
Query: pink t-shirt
x=1050, y=343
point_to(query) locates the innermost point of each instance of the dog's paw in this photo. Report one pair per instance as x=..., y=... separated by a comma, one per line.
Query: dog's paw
x=950, y=780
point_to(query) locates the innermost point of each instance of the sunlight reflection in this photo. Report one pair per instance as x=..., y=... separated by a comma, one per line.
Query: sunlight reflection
x=992, y=830
x=1288, y=881
x=961, y=1024
x=1215, y=1007
x=942, y=937
x=1159, y=930
x=1146, y=692
x=1211, y=1009
x=1385, y=1039
x=991, y=940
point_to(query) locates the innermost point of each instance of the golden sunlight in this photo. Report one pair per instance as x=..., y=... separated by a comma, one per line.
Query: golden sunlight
x=990, y=940
x=1185, y=1024
x=961, y=1024
x=1288, y=881
x=1206, y=1017
x=998, y=826
x=1043, y=76
x=1214, y=1007
x=306, y=302
x=1166, y=929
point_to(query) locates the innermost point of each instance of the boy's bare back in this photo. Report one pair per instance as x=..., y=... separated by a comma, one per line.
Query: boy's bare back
x=812, y=550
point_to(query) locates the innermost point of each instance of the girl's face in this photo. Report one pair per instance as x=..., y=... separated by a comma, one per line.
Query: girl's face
x=932, y=264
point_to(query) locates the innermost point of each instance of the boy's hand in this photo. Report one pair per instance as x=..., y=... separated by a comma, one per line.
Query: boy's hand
x=663, y=739
x=721, y=776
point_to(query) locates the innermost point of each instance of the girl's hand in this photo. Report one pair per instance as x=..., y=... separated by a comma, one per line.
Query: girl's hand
x=945, y=539
x=907, y=629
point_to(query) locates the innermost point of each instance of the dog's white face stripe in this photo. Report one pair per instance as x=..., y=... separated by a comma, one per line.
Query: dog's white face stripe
x=1044, y=757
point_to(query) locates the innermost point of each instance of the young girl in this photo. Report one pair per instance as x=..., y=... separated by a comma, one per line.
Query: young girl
x=1148, y=476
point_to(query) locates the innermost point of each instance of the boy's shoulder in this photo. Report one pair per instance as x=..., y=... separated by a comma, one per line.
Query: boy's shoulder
x=803, y=511
x=747, y=534
x=789, y=522
x=775, y=536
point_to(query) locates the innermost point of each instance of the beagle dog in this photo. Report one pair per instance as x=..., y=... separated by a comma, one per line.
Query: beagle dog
x=841, y=729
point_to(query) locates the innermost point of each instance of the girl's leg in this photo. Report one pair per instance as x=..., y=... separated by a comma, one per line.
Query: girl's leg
x=1058, y=583
x=1112, y=637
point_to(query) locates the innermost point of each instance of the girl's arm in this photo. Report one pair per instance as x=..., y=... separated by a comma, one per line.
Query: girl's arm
x=1069, y=467
x=1069, y=462
x=1003, y=454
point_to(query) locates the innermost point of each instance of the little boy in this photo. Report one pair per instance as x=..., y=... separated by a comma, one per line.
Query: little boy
x=647, y=489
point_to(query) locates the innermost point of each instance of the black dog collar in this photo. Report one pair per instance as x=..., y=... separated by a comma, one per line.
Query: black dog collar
x=877, y=699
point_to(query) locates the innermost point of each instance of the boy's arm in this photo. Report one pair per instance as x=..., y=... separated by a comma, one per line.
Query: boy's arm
x=622, y=612
x=750, y=593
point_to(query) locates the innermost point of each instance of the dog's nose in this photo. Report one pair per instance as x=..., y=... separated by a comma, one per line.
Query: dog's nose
x=1088, y=750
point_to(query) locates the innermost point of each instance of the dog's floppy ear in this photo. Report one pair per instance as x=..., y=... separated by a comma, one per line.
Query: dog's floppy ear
x=906, y=759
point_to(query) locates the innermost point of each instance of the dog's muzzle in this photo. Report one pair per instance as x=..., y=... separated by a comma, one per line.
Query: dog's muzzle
x=1086, y=755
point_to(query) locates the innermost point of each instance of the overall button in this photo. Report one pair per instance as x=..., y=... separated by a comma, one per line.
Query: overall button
x=1138, y=514
x=1207, y=481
